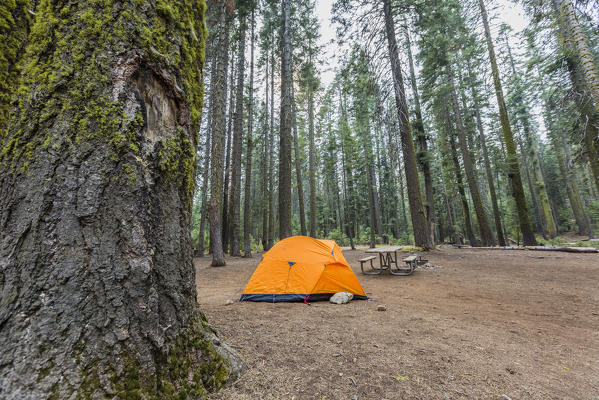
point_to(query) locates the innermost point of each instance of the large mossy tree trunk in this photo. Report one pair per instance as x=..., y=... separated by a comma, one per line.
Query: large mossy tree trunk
x=508, y=137
x=419, y=221
x=97, y=284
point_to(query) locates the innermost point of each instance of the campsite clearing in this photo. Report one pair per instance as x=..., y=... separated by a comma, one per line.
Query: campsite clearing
x=482, y=324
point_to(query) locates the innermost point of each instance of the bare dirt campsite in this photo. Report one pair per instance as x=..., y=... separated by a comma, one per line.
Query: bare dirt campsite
x=480, y=324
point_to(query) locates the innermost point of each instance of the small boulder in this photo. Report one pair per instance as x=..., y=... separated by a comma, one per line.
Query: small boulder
x=341, y=298
x=229, y=302
x=381, y=308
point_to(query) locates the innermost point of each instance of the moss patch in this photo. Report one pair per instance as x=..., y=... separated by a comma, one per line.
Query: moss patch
x=68, y=70
x=190, y=369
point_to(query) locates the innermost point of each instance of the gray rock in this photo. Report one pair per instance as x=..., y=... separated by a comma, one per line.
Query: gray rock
x=381, y=308
x=341, y=298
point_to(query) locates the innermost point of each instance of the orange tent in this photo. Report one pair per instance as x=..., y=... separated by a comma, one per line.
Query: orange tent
x=302, y=268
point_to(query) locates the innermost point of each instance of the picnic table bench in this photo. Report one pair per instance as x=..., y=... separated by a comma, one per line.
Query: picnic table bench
x=388, y=261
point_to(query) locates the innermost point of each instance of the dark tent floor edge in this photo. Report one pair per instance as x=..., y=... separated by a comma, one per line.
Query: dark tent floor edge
x=276, y=298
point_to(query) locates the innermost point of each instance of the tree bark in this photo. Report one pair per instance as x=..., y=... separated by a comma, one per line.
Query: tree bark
x=419, y=221
x=508, y=137
x=98, y=296
x=235, y=201
x=285, y=125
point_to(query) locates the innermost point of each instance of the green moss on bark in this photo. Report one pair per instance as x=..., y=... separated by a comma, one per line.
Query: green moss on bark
x=14, y=26
x=68, y=71
x=190, y=369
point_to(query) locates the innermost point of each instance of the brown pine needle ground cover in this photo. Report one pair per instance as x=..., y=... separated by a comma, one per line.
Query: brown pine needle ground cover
x=484, y=324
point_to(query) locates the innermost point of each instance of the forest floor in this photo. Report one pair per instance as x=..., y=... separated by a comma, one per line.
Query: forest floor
x=483, y=324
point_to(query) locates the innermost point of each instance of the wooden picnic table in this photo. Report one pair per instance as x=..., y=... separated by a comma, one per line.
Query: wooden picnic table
x=388, y=261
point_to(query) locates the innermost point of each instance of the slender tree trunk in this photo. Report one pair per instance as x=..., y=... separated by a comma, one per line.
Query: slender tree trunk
x=483, y=146
x=218, y=128
x=347, y=176
x=545, y=211
x=421, y=138
x=271, y=166
x=481, y=215
x=285, y=125
x=226, y=236
x=207, y=155
x=371, y=210
x=98, y=294
x=311, y=161
x=404, y=217
x=462, y=192
x=419, y=222
x=266, y=172
x=572, y=189
x=247, y=213
x=508, y=137
x=392, y=145
x=378, y=207
x=204, y=201
x=235, y=201
x=298, y=169
x=533, y=195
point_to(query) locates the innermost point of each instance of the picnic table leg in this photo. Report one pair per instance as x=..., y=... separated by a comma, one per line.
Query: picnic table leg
x=375, y=270
x=402, y=271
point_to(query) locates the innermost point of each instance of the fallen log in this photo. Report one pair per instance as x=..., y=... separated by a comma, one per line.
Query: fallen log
x=536, y=248
x=564, y=248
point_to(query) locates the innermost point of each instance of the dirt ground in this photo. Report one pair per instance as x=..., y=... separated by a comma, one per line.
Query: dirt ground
x=484, y=324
